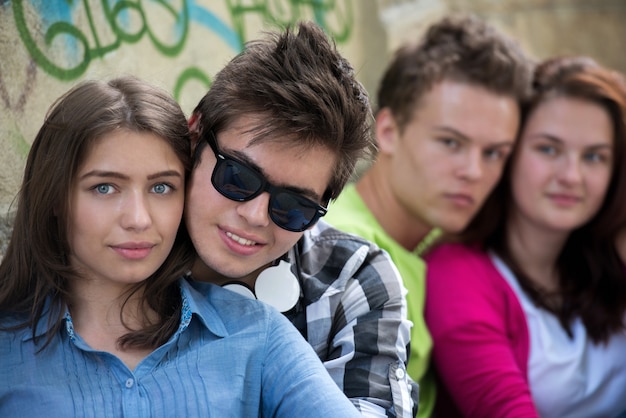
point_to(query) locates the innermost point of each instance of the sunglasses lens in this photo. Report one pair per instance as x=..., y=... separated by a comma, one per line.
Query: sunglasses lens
x=291, y=211
x=236, y=181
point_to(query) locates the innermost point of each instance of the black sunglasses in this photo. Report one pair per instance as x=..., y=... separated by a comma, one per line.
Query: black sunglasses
x=239, y=182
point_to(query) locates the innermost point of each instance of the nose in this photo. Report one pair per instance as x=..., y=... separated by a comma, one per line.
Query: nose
x=136, y=212
x=255, y=211
x=471, y=168
x=569, y=172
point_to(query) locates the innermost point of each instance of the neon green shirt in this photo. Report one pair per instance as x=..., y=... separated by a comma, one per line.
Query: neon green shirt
x=350, y=214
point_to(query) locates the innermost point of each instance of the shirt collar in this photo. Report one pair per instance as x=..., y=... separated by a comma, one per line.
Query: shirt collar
x=195, y=301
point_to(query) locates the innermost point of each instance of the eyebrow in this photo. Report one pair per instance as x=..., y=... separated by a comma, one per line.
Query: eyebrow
x=558, y=140
x=465, y=138
x=117, y=175
x=243, y=158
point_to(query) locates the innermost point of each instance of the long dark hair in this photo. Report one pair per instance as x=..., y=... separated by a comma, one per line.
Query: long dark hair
x=35, y=273
x=592, y=275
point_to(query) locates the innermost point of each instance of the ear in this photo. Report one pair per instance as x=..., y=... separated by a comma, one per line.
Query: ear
x=195, y=130
x=387, y=131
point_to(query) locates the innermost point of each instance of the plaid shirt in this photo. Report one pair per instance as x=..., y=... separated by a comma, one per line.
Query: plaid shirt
x=353, y=313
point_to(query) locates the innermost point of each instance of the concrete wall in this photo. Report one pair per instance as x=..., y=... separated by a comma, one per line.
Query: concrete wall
x=543, y=27
x=47, y=46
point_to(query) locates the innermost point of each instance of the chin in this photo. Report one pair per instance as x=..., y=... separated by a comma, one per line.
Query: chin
x=453, y=227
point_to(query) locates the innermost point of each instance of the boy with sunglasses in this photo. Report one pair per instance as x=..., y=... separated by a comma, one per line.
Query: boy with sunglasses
x=276, y=138
x=447, y=120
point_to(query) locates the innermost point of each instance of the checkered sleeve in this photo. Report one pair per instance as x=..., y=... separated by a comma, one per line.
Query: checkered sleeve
x=357, y=322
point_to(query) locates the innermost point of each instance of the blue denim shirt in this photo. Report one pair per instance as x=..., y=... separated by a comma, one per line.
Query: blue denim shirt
x=231, y=357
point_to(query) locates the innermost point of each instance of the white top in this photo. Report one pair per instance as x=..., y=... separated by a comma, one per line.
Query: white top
x=570, y=377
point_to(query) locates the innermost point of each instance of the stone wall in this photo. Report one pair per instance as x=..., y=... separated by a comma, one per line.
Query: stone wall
x=47, y=46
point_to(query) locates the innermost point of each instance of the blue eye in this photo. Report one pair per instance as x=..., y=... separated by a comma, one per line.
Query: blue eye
x=547, y=149
x=601, y=157
x=103, y=189
x=161, y=188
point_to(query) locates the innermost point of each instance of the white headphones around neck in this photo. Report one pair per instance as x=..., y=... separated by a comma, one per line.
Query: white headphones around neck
x=276, y=285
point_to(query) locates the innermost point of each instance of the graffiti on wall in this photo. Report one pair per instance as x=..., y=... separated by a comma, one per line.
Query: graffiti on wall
x=47, y=45
x=85, y=30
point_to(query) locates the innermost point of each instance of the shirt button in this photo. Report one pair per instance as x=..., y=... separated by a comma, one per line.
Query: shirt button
x=399, y=374
x=130, y=383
